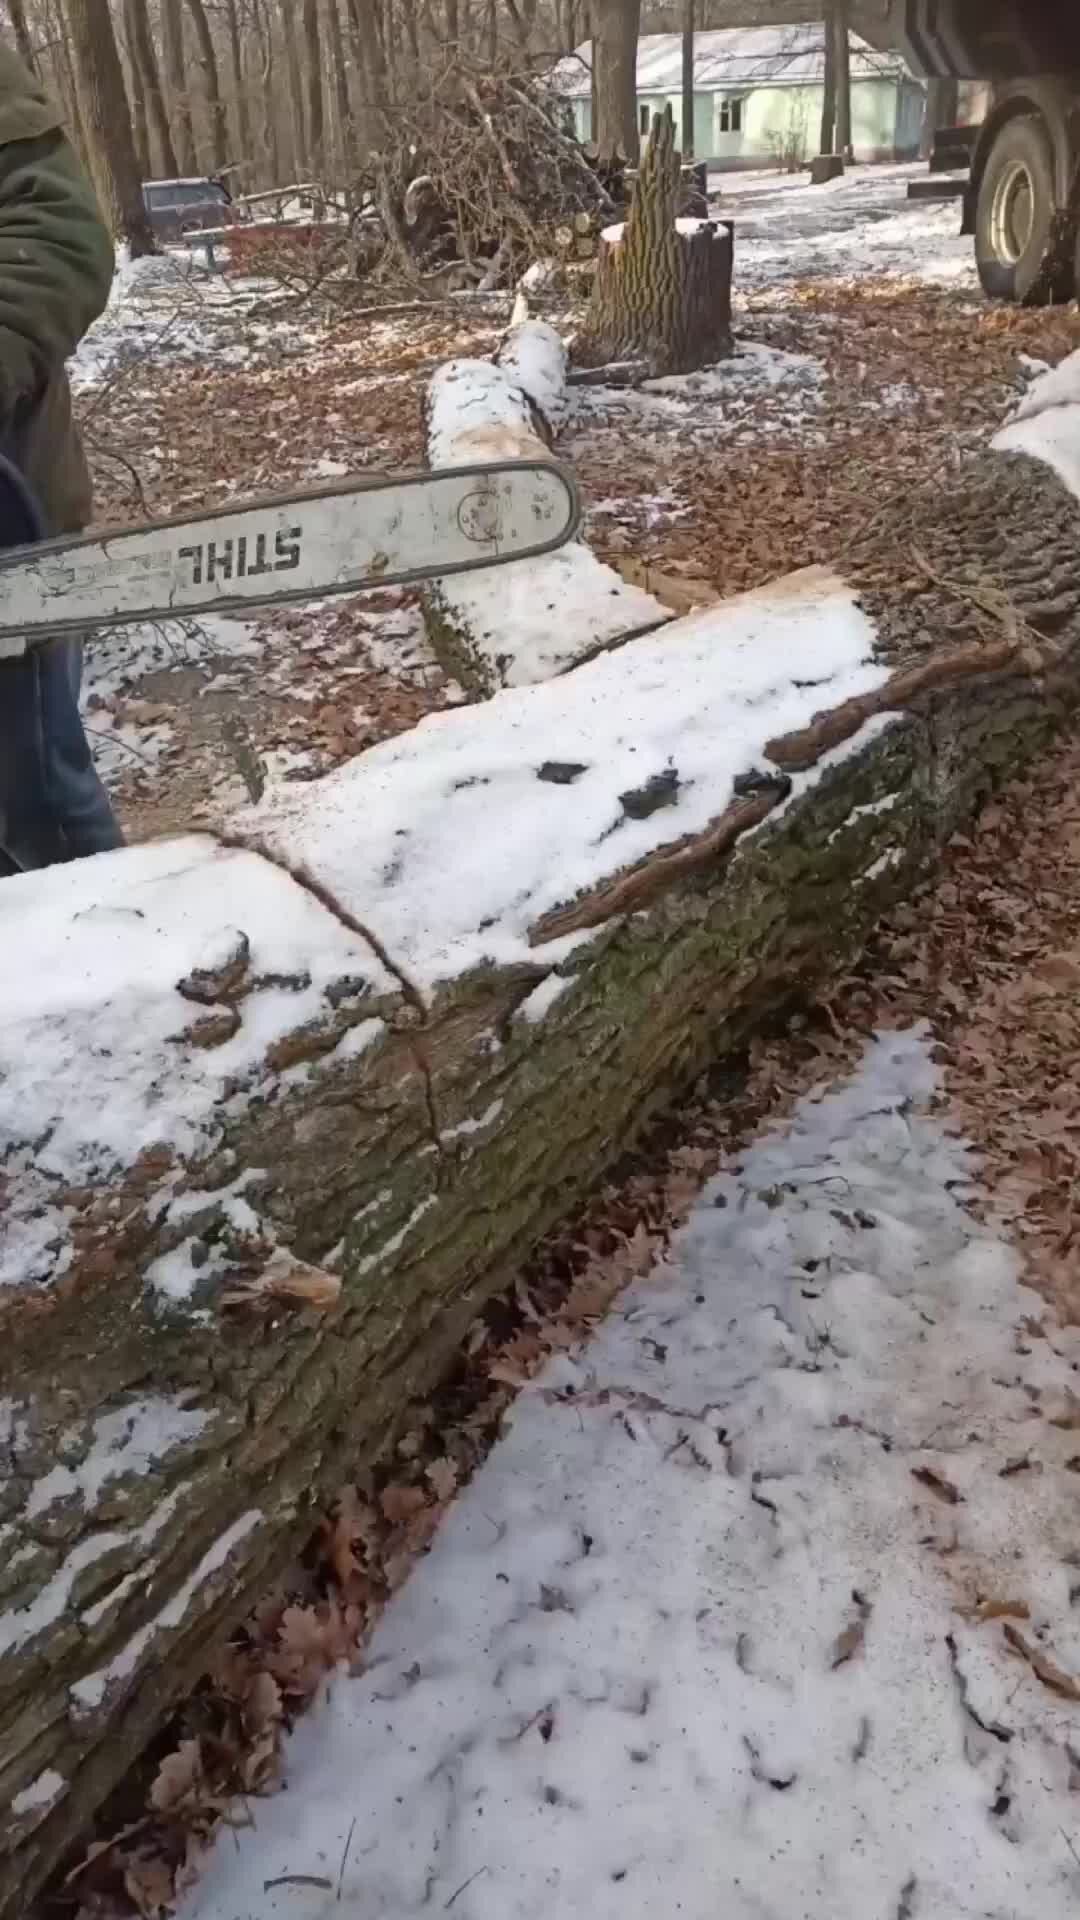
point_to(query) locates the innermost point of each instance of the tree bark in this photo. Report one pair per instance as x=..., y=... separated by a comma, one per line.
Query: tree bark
x=688, y=80
x=107, y=119
x=345, y=155
x=828, y=97
x=57, y=31
x=661, y=296
x=316, y=123
x=137, y=96
x=843, y=78
x=145, y=57
x=23, y=39
x=176, y=79
x=215, y=108
x=241, y=116
x=295, y=71
x=368, y=52
x=615, y=25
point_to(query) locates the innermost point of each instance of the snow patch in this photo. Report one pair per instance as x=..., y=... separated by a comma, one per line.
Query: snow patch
x=88, y=1693
x=1046, y=424
x=534, y=619
x=40, y=1794
x=696, y=1640
x=466, y=842
x=93, y=1069
x=753, y=363
x=131, y=1439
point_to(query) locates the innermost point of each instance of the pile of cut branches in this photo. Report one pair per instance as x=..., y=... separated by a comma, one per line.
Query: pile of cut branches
x=474, y=179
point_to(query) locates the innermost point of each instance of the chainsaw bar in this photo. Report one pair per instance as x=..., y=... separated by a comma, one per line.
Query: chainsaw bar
x=378, y=532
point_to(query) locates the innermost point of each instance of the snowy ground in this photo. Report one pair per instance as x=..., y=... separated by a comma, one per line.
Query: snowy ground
x=765, y=1606
x=198, y=387
x=855, y=227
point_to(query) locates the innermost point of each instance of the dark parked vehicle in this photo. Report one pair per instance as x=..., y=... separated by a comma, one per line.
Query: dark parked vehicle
x=177, y=207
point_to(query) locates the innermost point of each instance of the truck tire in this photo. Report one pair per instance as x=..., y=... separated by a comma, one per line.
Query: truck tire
x=1015, y=218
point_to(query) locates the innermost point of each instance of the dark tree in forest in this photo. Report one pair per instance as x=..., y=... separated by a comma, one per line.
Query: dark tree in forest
x=615, y=25
x=107, y=119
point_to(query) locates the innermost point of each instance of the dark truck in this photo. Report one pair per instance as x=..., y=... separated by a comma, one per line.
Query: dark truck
x=1022, y=198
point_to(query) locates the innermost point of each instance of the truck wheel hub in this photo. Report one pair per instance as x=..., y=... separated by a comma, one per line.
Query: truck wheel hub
x=1013, y=214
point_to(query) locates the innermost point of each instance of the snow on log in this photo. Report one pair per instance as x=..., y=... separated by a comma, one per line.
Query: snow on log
x=525, y=622
x=281, y=1110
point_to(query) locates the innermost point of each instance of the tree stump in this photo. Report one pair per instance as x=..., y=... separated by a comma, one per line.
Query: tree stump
x=663, y=285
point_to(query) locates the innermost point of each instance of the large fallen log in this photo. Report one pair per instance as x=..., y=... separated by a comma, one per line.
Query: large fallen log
x=279, y=1113
x=524, y=622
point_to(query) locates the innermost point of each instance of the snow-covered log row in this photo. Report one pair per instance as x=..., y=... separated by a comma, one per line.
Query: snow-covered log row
x=280, y=1112
x=524, y=622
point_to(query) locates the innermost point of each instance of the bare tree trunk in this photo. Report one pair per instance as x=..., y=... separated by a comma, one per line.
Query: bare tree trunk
x=344, y=155
x=316, y=125
x=107, y=119
x=207, y=60
x=21, y=31
x=296, y=89
x=661, y=297
x=271, y=143
x=615, y=25
x=688, y=80
x=843, y=78
x=56, y=30
x=453, y=23
x=411, y=24
x=136, y=93
x=144, y=58
x=172, y=49
x=241, y=116
x=828, y=98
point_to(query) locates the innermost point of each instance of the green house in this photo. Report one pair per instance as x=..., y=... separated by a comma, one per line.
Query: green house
x=758, y=94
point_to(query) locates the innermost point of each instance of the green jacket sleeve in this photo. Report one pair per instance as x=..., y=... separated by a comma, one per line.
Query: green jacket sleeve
x=56, y=255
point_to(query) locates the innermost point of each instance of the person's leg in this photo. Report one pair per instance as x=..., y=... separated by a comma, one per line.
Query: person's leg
x=30, y=834
x=79, y=800
x=53, y=807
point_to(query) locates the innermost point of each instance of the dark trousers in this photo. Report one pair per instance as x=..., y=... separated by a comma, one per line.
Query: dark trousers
x=53, y=807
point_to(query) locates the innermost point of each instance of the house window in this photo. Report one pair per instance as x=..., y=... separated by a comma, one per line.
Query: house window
x=730, y=113
x=644, y=117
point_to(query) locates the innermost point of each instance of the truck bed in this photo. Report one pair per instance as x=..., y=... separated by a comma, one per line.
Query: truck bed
x=987, y=39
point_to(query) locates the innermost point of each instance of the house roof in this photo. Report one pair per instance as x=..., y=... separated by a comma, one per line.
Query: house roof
x=729, y=58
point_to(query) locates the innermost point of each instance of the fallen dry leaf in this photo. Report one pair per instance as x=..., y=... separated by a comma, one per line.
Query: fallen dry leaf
x=286, y=1278
x=996, y=1610
x=400, y=1504
x=442, y=1477
x=848, y=1643
x=937, y=1484
x=179, y=1782
x=1051, y=1676
x=150, y=1884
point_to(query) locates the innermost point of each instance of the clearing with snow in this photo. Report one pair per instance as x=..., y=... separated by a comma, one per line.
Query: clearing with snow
x=725, y=1561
